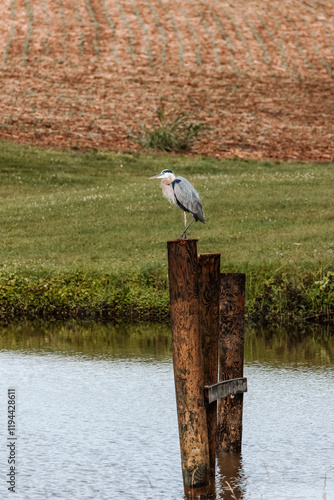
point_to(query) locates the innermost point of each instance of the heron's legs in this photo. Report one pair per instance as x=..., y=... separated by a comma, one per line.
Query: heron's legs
x=184, y=234
x=185, y=219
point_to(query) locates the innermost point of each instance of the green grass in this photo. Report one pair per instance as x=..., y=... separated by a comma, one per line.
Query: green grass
x=98, y=214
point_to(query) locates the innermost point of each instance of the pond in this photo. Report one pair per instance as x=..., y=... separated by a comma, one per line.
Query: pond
x=96, y=414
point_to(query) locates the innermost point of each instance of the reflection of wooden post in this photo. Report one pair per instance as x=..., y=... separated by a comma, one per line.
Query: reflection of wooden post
x=209, y=278
x=229, y=467
x=231, y=353
x=188, y=366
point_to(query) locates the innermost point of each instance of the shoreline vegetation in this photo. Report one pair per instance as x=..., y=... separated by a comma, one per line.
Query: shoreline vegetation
x=84, y=234
x=143, y=296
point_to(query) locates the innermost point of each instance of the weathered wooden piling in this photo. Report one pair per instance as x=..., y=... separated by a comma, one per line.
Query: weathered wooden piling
x=231, y=354
x=188, y=366
x=208, y=292
x=207, y=319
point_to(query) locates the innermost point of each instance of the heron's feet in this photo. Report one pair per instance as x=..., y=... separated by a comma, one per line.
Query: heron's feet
x=184, y=234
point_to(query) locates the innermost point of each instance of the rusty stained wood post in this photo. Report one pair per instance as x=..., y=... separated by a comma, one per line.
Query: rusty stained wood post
x=209, y=288
x=188, y=367
x=231, y=358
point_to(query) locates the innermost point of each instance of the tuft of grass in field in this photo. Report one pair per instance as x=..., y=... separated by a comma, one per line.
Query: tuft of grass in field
x=173, y=134
x=97, y=216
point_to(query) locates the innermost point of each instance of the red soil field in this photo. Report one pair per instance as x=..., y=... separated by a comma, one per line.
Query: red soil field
x=87, y=73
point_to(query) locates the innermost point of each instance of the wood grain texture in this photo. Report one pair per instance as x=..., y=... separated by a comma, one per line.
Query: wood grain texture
x=209, y=287
x=231, y=354
x=188, y=366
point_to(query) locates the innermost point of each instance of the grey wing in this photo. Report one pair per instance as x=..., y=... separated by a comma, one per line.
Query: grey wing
x=188, y=198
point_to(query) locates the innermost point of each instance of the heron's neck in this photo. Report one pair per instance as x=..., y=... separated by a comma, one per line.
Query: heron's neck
x=167, y=189
x=167, y=181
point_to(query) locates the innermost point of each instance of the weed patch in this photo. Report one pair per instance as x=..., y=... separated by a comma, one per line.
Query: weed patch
x=139, y=296
x=176, y=134
x=288, y=298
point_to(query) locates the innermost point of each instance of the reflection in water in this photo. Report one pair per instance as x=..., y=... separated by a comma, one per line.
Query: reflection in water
x=230, y=482
x=275, y=346
x=311, y=346
x=88, y=338
x=97, y=414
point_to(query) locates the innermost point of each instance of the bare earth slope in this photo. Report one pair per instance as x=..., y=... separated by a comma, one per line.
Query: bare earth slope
x=85, y=73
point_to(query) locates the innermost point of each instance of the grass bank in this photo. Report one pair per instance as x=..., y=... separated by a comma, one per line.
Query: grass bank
x=85, y=233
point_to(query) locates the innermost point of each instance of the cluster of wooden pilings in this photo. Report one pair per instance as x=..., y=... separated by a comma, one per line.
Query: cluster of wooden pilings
x=207, y=320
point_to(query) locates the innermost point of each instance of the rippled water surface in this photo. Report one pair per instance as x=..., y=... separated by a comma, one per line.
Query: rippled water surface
x=96, y=415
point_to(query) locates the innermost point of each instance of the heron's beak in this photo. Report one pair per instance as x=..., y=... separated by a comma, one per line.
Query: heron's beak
x=156, y=176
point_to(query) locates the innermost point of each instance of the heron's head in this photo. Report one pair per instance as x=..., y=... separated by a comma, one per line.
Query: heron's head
x=165, y=174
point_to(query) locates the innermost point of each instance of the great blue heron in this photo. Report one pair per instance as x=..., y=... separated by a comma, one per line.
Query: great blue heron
x=183, y=194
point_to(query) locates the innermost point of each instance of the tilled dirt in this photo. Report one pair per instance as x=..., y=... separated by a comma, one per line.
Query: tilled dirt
x=87, y=73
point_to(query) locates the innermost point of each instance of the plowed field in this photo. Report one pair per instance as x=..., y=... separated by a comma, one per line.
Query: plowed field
x=85, y=73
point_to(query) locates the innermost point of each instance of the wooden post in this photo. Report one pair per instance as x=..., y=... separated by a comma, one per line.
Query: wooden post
x=209, y=287
x=188, y=367
x=231, y=354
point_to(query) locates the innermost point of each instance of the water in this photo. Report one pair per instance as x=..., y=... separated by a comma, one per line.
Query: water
x=96, y=415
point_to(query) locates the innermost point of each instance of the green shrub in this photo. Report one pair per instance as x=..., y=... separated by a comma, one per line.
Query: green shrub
x=171, y=134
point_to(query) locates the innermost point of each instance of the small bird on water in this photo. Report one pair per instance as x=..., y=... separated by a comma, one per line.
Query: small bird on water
x=179, y=191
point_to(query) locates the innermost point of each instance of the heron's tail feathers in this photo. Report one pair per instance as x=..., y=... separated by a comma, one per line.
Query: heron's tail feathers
x=200, y=216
